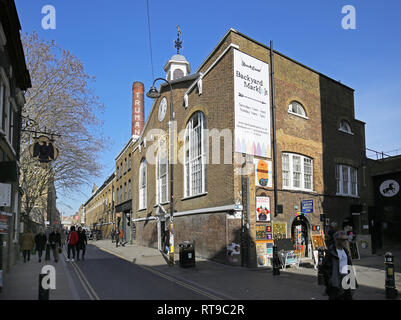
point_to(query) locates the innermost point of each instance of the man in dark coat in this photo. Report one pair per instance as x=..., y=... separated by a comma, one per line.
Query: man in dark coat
x=55, y=243
x=82, y=242
x=336, y=265
x=40, y=243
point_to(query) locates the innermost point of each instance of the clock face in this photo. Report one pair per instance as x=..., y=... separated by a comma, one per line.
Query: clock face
x=162, y=109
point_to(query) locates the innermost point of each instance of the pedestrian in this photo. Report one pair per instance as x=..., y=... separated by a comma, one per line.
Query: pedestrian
x=55, y=243
x=82, y=242
x=117, y=236
x=112, y=233
x=333, y=228
x=121, y=236
x=27, y=244
x=40, y=243
x=72, y=240
x=335, y=267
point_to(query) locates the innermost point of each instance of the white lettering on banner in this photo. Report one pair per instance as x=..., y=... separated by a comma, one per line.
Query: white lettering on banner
x=252, y=105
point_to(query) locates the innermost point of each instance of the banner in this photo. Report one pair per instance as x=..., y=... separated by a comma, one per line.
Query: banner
x=263, y=173
x=251, y=105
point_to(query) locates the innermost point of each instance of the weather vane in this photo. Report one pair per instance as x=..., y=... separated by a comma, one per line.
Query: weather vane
x=178, y=42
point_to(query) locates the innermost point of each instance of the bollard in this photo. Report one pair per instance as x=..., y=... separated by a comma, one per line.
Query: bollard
x=391, y=291
x=43, y=293
x=320, y=276
x=276, y=262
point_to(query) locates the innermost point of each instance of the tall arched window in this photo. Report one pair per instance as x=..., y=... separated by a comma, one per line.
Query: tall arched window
x=142, y=184
x=162, y=174
x=297, y=109
x=195, y=155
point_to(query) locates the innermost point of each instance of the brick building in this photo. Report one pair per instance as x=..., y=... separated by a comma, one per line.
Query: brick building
x=224, y=197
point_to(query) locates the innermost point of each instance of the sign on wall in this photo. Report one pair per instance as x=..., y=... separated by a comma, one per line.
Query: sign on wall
x=262, y=209
x=251, y=105
x=307, y=206
x=264, y=252
x=389, y=188
x=5, y=194
x=263, y=173
x=279, y=230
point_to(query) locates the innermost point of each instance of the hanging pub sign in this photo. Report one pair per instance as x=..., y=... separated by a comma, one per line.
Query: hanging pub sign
x=43, y=150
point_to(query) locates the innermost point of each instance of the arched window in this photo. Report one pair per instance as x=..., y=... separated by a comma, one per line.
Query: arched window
x=178, y=73
x=344, y=126
x=297, y=109
x=162, y=174
x=195, y=155
x=142, y=184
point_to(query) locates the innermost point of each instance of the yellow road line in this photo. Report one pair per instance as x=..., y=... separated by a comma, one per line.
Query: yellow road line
x=213, y=297
x=84, y=282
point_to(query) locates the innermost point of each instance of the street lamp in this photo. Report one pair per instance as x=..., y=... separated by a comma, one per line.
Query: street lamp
x=153, y=93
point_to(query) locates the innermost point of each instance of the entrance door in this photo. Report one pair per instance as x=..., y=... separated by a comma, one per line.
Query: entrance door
x=300, y=235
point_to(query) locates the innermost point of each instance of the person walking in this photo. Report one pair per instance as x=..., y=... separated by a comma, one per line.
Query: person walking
x=72, y=240
x=27, y=244
x=333, y=228
x=55, y=243
x=40, y=243
x=117, y=236
x=112, y=233
x=82, y=243
x=335, y=267
x=121, y=236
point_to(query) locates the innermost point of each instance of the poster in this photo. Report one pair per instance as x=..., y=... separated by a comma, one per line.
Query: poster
x=318, y=241
x=251, y=105
x=261, y=232
x=263, y=173
x=233, y=249
x=262, y=209
x=279, y=230
x=5, y=194
x=264, y=253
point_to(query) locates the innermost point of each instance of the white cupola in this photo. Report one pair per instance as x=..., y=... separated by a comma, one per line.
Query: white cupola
x=177, y=67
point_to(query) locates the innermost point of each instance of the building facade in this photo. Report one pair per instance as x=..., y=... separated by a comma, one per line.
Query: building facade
x=14, y=80
x=225, y=198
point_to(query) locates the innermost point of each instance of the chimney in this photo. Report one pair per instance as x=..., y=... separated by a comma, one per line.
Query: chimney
x=138, y=108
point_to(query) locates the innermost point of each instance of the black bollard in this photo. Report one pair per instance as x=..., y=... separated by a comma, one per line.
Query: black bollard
x=43, y=293
x=391, y=291
x=320, y=276
x=276, y=262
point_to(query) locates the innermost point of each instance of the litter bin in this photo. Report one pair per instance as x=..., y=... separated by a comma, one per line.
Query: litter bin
x=187, y=254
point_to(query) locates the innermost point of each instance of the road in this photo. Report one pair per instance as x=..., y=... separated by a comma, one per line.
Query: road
x=103, y=276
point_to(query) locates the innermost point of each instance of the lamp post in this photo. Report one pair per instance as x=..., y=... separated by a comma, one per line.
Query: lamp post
x=153, y=93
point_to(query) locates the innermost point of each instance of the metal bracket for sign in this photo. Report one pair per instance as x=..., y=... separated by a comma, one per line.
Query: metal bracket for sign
x=29, y=125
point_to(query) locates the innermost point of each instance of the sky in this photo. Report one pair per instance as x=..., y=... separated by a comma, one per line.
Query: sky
x=111, y=38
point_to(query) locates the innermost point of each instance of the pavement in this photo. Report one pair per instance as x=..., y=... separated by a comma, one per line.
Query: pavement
x=137, y=272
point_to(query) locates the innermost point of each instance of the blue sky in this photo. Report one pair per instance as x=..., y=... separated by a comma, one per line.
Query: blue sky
x=111, y=39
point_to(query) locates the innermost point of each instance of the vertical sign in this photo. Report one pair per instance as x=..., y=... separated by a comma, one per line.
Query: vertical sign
x=262, y=209
x=138, y=113
x=263, y=173
x=252, y=105
x=5, y=194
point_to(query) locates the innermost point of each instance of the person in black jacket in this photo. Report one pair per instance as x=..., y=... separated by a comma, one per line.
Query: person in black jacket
x=55, y=243
x=82, y=242
x=336, y=266
x=40, y=243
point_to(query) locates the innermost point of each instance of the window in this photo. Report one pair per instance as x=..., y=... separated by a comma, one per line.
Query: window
x=178, y=73
x=195, y=158
x=162, y=175
x=297, y=172
x=345, y=127
x=125, y=165
x=129, y=190
x=2, y=103
x=118, y=172
x=346, y=180
x=117, y=195
x=297, y=109
x=125, y=191
x=129, y=161
x=142, y=185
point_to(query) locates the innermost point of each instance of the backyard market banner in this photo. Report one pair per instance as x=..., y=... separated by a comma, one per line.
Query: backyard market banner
x=252, y=105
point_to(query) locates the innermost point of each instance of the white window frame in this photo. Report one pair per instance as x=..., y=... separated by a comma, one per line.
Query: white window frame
x=303, y=115
x=5, y=105
x=194, y=186
x=350, y=183
x=288, y=171
x=142, y=185
x=162, y=180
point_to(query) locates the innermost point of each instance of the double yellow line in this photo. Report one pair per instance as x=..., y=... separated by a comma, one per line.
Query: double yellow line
x=84, y=281
x=201, y=292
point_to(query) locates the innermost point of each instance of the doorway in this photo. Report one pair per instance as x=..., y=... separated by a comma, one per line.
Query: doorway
x=301, y=236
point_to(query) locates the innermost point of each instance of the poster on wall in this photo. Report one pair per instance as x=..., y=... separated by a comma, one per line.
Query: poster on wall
x=262, y=209
x=264, y=253
x=263, y=173
x=279, y=230
x=251, y=105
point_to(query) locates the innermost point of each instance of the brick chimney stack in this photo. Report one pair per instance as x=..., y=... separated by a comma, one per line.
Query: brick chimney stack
x=138, y=108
